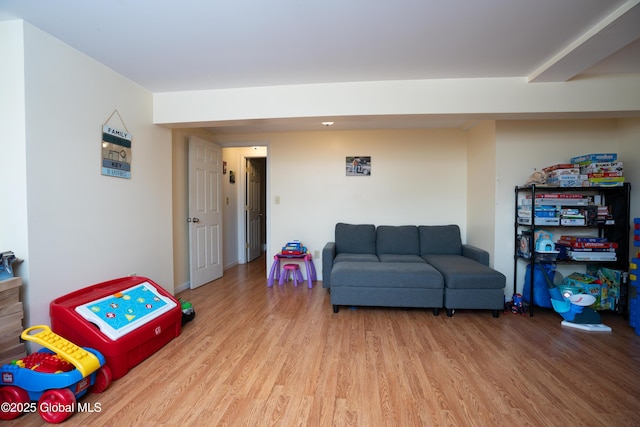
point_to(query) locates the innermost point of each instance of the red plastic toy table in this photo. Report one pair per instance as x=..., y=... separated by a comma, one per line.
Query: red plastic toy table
x=126, y=319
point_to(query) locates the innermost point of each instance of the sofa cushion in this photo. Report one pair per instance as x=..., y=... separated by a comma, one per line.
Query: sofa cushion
x=463, y=273
x=355, y=238
x=386, y=275
x=440, y=239
x=355, y=258
x=398, y=240
x=400, y=258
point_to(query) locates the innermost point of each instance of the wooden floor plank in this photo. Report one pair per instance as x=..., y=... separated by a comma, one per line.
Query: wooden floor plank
x=259, y=356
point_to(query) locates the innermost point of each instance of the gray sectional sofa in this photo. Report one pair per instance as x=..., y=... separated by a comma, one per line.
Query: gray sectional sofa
x=409, y=266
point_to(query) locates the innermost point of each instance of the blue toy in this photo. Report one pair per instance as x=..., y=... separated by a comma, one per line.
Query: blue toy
x=50, y=381
x=575, y=309
x=516, y=305
x=294, y=248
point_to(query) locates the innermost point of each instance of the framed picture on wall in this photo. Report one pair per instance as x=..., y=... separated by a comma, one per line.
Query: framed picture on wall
x=358, y=165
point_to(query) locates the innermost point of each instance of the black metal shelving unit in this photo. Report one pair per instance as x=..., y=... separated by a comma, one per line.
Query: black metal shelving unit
x=617, y=230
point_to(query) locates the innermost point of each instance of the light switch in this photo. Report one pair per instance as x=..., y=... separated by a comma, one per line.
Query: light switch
x=277, y=200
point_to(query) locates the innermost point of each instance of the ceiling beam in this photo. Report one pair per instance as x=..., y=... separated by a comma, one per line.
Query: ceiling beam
x=609, y=35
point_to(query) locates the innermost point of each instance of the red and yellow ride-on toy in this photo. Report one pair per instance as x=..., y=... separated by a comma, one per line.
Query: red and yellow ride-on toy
x=51, y=380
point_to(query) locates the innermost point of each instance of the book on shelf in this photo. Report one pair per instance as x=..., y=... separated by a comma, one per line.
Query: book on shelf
x=608, y=174
x=561, y=166
x=524, y=245
x=572, y=221
x=611, y=181
x=587, y=245
x=572, y=211
x=593, y=256
x=595, y=157
x=602, y=167
x=567, y=177
x=558, y=196
x=540, y=221
x=583, y=239
x=554, y=199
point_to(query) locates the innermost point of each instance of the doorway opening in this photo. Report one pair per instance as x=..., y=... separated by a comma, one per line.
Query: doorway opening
x=255, y=211
x=239, y=201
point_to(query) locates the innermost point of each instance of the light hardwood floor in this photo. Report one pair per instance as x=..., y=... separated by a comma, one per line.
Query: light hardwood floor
x=258, y=356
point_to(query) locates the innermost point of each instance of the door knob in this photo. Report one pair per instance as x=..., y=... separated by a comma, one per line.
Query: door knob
x=196, y=220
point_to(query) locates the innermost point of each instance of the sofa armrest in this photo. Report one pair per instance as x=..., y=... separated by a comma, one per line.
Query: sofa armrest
x=328, y=254
x=476, y=254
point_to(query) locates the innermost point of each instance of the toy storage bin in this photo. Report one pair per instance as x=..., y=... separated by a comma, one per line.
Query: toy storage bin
x=124, y=352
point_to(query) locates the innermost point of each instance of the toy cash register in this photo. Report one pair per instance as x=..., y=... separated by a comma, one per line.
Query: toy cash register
x=294, y=248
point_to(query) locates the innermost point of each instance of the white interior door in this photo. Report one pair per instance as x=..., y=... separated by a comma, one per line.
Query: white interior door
x=205, y=211
x=253, y=210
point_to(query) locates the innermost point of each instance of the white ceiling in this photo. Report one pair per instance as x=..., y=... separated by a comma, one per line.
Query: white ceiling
x=186, y=45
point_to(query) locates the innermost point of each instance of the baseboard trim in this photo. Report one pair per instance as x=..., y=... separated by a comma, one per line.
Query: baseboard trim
x=186, y=285
x=233, y=264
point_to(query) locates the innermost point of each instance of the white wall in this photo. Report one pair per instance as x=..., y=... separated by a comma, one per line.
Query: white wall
x=84, y=228
x=13, y=161
x=630, y=152
x=481, y=186
x=481, y=97
x=418, y=177
x=180, y=207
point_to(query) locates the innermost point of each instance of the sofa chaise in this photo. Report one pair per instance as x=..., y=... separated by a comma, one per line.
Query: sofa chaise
x=423, y=266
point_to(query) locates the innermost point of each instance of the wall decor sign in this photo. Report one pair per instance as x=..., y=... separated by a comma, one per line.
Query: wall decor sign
x=358, y=165
x=116, y=152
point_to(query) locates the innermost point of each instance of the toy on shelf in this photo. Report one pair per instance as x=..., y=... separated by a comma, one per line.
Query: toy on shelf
x=294, y=248
x=544, y=247
x=54, y=377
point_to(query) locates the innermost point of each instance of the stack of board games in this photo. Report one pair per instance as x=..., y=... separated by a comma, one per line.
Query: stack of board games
x=552, y=209
x=588, y=170
x=601, y=170
x=579, y=248
x=565, y=175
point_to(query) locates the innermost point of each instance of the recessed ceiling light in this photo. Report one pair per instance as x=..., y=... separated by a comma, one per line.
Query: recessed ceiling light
x=327, y=124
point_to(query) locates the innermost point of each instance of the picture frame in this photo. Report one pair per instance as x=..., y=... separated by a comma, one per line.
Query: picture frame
x=358, y=165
